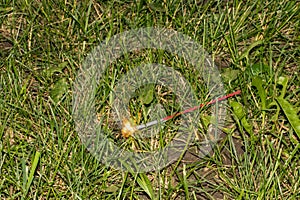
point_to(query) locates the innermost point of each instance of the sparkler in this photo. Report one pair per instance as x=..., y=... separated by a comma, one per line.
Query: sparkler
x=128, y=128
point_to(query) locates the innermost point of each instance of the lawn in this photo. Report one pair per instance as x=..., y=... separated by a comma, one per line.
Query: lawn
x=255, y=46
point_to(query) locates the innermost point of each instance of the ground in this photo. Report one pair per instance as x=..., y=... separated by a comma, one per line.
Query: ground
x=255, y=46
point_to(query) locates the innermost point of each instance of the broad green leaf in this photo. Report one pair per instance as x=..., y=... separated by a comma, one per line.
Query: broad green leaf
x=259, y=68
x=230, y=74
x=146, y=94
x=248, y=127
x=145, y=183
x=206, y=120
x=237, y=109
x=290, y=113
x=111, y=189
x=55, y=69
x=241, y=115
x=284, y=82
x=258, y=83
x=245, y=54
x=59, y=89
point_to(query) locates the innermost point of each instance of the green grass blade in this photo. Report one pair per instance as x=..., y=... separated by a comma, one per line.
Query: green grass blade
x=25, y=174
x=32, y=171
x=145, y=183
x=185, y=183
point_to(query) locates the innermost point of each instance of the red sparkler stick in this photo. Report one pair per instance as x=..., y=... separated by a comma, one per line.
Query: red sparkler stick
x=187, y=110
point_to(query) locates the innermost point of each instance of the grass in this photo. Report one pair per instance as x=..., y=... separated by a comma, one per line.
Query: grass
x=255, y=45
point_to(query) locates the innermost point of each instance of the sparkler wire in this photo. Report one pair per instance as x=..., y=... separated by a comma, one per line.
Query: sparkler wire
x=142, y=126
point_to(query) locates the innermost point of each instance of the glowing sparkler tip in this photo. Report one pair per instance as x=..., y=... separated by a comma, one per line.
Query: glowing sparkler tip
x=127, y=128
